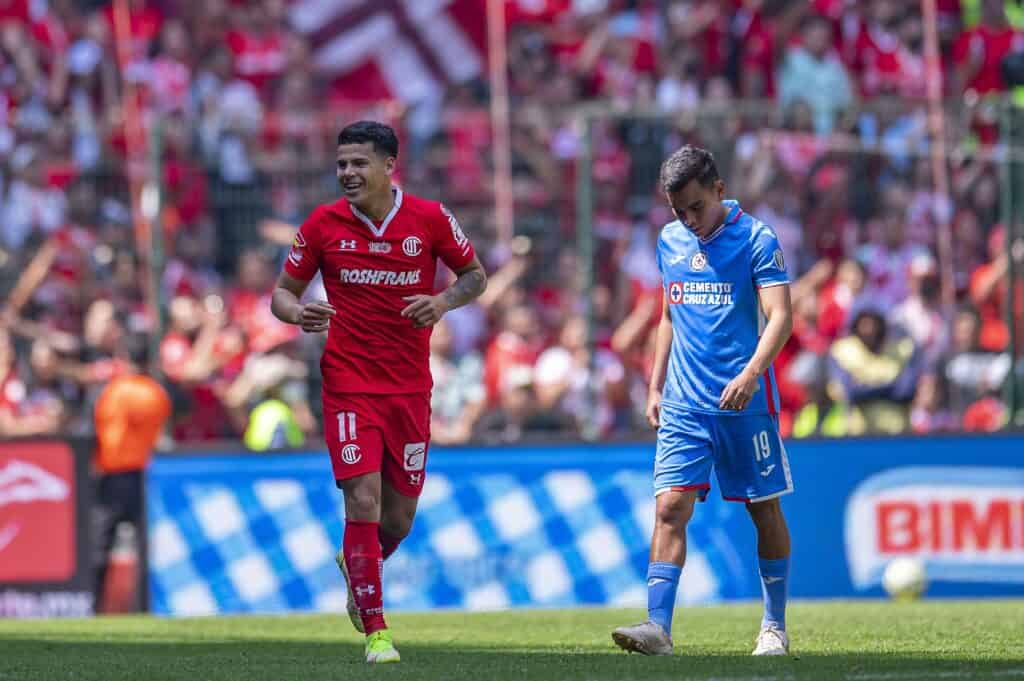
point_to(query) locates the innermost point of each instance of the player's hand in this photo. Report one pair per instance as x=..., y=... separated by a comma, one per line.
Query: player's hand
x=737, y=394
x=316, y=316
x=424, y=310
x=654, y=408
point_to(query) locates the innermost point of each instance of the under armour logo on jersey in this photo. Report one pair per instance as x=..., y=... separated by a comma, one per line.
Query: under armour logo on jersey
x=367, y=590
x=348, y=245
x=415, y=478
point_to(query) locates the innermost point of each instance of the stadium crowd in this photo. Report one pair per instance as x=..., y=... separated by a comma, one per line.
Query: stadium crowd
x=814, y=110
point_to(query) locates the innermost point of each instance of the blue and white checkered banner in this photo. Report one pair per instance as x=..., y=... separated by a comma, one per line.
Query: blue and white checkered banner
x=496, y=528
x=571, y=525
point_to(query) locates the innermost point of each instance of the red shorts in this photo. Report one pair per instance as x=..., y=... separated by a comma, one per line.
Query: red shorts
x=386, y=434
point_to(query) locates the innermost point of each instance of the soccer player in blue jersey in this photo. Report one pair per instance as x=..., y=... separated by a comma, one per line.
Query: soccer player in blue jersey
x=726, y=315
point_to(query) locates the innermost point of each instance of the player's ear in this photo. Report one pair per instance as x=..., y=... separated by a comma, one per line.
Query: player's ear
x=389, y=165
x=720, y=189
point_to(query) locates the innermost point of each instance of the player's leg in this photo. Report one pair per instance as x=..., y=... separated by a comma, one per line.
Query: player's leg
x=752, y=467
x=361, y=547
x=356, y=447
x=106, y=513
x=397, y=513
x=364, y=562
x=672, y=512
x=682, y=471
x=773, y=557
x=407, y=444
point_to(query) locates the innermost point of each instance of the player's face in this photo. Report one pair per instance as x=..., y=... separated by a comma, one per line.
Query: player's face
x=699, y=208
x=363, y=173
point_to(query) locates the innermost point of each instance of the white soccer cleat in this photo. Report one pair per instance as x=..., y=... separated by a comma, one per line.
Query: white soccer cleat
x=353, y=610
x=646, y=638
x=772, y=641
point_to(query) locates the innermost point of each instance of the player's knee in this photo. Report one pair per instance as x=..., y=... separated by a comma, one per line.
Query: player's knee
x=674, y=510
x=362, y=503
x=397, y=523
x=768, y=513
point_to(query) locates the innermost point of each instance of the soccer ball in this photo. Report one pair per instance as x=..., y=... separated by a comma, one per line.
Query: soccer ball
x=905, y=579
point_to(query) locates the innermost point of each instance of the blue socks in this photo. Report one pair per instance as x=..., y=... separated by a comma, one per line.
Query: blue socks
x=774, y=585
x=662, y=582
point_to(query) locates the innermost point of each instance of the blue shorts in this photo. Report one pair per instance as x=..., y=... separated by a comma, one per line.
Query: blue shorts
x=745, y=450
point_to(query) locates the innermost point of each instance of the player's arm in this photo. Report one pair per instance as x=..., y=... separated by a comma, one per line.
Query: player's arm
x=777, y=307
x=313, y=317
x=662, y=346
x=470, y=282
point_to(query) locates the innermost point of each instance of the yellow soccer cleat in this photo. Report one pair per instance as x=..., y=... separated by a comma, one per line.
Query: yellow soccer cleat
x=380, y=649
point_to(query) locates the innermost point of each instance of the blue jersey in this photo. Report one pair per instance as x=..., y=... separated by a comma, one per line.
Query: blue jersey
x=711, y=286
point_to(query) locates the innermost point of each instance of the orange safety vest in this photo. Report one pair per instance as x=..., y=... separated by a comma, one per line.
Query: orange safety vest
x=130, y=414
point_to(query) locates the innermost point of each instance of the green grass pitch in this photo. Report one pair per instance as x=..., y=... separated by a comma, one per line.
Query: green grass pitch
x=853, y=641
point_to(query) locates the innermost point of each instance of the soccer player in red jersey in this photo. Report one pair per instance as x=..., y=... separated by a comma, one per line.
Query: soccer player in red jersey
x=377, y=249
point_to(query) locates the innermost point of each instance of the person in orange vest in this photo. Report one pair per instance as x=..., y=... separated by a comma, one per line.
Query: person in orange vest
x=130, y=415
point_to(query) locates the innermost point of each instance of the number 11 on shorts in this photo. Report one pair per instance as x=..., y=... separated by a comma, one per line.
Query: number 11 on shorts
x=346, y=426
x=762, y=446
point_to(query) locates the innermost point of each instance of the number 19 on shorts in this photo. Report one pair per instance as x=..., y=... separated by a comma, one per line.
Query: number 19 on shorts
x=762, y=446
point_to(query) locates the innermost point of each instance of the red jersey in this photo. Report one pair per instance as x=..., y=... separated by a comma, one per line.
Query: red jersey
x=989, y=47
x=368, y=268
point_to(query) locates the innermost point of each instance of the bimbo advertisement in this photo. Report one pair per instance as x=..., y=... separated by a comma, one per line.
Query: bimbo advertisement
x=966, y=523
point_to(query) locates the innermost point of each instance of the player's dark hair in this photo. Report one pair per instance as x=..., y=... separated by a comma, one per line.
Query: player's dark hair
x=686, y=164
x=382, y=137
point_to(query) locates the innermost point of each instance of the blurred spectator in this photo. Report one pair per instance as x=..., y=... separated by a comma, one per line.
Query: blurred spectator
x=975, y=375
x=130, y=417
x=569, y=380
x=519, y=415
x=31, y=205
x=189, y=358
x=812, y=72
x=459, y=398
x=989, y=292
x=21, y=412
x=930, y=412
x=257, y=44
x=170, y=77
x=872, y=377
x=517, y=345
x=269, y=402
x=920, y=314
x=979, y=51
x=839, y=296
x=888, y=256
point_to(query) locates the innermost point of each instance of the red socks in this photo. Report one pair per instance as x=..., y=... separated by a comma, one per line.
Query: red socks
x=364, y=561
x=388, y=544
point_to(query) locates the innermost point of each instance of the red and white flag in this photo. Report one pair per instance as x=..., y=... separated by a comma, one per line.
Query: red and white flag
x=409, y=50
